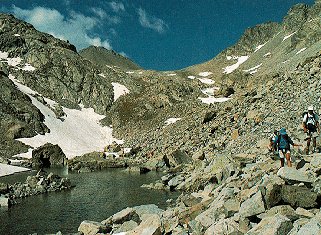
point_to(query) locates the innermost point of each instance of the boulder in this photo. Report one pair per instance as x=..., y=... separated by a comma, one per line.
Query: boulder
x=292, y=175
x=312, y=227
x=304, y=213
x=4, y=202
x=195, y=227
x=297, y=225
x=145, y=211
x=48, y=155
x=179, y=156
x=209, y=116
x=3, y=188
x=298, y=196
x=275, y=225
x=199, y=155
x=316, y=162
x=150, y=226
x=252, y=206
x=284, y=210
x=125, y=227
x=123, y=216
x=224, y=226
x=175, y=181
x=91, y=228
x=231, y=206
x=271, y=190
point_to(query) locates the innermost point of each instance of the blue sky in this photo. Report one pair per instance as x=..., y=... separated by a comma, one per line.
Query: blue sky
x=156, y=34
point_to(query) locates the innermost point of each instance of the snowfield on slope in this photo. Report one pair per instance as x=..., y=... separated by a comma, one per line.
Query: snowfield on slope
x=9, y=170
x=231, y=68
x=78, y=133
x=119, y=90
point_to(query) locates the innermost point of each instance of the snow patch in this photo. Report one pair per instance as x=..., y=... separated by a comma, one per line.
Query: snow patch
x=171, y=74
x=14, y=61
x=80, y=132
x=303, y=49
x=210, y=91
x=171, y=121
x=253, y=70
x=28, y=67
x=119, y=90
x=3, y=55
x=212, y=100
x=130, y=72
x=191, y=77
x=231, y=68
x=288, y=36
x=9, y=170
x=102, y=75
x=259, y=47
x=205, y=74
x=267, y=54
x=140, y=73
x=16, y=35
x=206, y=81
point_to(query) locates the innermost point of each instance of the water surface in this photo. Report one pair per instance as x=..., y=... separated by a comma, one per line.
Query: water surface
x=97, y=196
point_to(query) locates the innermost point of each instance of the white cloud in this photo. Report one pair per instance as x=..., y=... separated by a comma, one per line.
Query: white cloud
x=124, y=54
x=117, y=6
x=151, y=22
x=99, y=12
x=75, y=27
x=104, y=16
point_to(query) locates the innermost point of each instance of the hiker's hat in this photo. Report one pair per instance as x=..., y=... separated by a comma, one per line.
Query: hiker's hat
x=283, y=131
x=310, y=108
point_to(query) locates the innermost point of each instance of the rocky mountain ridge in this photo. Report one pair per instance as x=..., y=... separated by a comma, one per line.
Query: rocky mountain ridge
x=104, y=57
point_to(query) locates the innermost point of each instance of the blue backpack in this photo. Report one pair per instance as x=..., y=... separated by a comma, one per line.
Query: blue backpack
x=283, y=142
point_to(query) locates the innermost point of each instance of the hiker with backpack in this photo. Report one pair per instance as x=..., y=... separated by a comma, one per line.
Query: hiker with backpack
x=311, y=128
x=283, y=142
x=272, y=145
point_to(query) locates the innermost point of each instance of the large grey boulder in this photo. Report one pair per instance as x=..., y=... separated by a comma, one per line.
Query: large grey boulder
x=252, y=206
x=150, y=226
x=312, y=227
x=292, y=175
x=48, y=155
x=271, y=190
x=145, y=211
x=122, y=216
x=224, y=226
x=299, y=196
x=276, y=225
x=91, y=228
x=284, y=210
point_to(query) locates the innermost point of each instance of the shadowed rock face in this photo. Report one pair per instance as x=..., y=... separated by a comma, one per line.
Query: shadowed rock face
x=19, y=118
x=48, y=155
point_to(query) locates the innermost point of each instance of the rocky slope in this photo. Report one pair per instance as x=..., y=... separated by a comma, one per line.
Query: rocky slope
x=104, y=57
x=218, y=154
